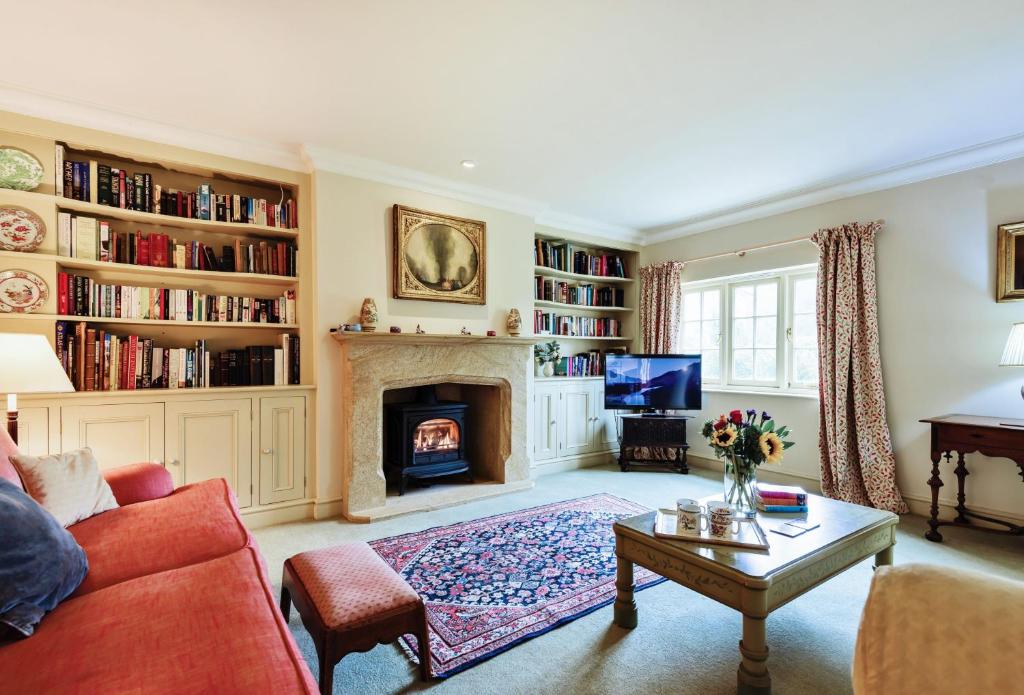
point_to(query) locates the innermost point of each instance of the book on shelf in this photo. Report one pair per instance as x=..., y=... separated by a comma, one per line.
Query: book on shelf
x=551, y=323
x=95, y=182
x=92, y=239
x=97, y=360
x=79, y=295
x=586, y=294
x=568, y=258
x=590, y=363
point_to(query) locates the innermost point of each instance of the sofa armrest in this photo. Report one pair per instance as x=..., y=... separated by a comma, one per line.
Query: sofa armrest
x=916, y=614
x=139, y=482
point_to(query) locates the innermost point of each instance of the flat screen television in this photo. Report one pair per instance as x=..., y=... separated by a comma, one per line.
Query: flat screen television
x=652, y=382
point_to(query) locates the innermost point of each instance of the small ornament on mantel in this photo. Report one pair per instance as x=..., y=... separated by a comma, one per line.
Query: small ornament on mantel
x=514, y=322
x=464, y=331
x=368, y=315
x=419, y=331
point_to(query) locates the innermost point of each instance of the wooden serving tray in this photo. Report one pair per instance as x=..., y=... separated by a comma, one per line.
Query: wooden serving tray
x=751, y=535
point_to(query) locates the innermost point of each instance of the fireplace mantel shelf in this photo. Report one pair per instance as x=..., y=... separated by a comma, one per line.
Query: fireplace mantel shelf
x=431, y=338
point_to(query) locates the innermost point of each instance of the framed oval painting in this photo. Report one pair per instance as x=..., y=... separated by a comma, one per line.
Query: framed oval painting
x=439, y=258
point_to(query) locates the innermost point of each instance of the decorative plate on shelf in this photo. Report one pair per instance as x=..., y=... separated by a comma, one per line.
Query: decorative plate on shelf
x=22, y=292
x=19, y=169
x=20, y=229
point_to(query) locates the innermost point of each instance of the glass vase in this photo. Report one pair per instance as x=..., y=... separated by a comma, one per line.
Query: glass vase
x=740, y=485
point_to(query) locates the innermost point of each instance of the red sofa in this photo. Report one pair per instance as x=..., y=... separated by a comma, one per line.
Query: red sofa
x=176, y=600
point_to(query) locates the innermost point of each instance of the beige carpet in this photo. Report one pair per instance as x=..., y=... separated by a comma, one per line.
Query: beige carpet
x=685, y=643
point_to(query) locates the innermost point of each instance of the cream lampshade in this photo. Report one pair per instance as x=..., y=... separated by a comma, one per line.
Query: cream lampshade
x=28, y=365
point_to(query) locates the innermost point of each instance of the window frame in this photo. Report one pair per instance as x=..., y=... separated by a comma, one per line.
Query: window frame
x=785, y=279
x=720, y=381
x=791, y=280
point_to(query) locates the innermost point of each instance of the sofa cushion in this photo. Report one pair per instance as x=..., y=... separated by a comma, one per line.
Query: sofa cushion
x=195, y=523
x=8, y=449
x=40, y=563
x=351, y=585
x=139, y=482
x=67, y=485
x=207, y=628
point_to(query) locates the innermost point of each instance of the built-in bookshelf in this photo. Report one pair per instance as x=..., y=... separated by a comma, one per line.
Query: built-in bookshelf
x=584, y=298
x=187, y=254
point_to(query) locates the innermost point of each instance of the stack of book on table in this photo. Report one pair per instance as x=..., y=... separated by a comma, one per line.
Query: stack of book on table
x=781, y=498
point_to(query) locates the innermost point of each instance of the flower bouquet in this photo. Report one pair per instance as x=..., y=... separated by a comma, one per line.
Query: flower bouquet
x=745, y=443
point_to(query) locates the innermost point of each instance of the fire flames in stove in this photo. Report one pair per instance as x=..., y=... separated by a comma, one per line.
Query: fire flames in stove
x=440, y=434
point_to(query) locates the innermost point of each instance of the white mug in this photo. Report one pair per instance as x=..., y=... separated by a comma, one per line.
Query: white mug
x=722, y=521
x=691, y=515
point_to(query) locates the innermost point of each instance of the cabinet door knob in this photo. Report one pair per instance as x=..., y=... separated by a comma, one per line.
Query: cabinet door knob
x=268, y=451
x=553, y=422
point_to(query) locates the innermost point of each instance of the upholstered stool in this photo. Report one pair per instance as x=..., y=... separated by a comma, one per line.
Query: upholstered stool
x=350, y=601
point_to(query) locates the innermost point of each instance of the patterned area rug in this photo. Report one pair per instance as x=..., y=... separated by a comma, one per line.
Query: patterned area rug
x=492, y=583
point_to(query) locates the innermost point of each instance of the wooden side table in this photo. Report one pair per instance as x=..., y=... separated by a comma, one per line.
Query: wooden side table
x=654, y=440
x=965, y=434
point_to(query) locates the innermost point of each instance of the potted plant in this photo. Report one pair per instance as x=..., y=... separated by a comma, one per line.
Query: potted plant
x=745, y=443
x=546, y=354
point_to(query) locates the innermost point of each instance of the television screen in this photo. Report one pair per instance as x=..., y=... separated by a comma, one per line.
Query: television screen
x=660, y=382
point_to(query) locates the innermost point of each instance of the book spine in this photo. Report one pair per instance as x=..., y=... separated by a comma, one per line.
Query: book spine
x=784, y=508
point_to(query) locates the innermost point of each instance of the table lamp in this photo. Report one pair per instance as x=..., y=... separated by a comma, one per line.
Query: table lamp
x=28, y=365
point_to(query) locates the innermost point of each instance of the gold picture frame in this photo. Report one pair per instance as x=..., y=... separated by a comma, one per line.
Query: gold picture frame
x=1010, y=262
x=439, y=258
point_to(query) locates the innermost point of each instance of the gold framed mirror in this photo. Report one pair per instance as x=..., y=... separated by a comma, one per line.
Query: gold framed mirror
x=1010, y=262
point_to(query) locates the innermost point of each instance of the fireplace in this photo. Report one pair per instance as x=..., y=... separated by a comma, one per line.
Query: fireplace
x=424, y=439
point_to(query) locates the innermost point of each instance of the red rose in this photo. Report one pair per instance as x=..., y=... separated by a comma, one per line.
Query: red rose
x=736, y=417
x=720, y=425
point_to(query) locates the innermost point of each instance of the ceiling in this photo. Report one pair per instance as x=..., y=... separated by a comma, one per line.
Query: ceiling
x=621, y=115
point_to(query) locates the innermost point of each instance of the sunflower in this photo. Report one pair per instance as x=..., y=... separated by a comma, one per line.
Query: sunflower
x=771, y=447
x=724, y=438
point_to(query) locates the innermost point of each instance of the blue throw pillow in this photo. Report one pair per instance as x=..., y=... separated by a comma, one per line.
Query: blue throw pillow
x=40, y=562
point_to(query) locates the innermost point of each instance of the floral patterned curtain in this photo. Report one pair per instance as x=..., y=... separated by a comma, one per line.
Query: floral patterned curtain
x=857, y=460
x=661, y=296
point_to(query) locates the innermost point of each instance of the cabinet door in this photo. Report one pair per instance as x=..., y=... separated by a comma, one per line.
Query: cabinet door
x=606, y=432
x=545, y=431
x=117, y=433
x=211, y=439
x=577, y=431
x=282, y=449
x=34, y=431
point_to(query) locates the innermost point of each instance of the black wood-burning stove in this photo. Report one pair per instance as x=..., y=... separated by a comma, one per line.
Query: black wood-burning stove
x=424, y=439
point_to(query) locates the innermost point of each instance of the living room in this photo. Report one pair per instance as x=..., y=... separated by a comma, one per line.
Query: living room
x=398, y=348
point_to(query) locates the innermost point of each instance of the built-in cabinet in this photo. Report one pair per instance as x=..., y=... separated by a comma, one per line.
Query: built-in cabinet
x=570, y=420
x=257, y=443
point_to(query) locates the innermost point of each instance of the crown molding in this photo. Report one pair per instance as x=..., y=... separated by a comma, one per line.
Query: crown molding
x=87, y=115
x=327, y=159
x=953, y=162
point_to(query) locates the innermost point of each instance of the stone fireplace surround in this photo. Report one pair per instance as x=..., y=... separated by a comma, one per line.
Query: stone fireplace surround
x=375, y=363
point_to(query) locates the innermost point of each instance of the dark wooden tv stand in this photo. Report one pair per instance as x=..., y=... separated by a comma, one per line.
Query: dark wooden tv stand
x=654, y=441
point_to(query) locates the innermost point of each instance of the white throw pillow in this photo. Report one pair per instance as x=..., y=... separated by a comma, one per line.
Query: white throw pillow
x=67, y=485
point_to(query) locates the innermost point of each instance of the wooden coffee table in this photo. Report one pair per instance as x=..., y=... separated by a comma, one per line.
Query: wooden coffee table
x=755, y=582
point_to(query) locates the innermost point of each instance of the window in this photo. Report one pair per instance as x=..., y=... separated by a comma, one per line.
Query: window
x=754, y=331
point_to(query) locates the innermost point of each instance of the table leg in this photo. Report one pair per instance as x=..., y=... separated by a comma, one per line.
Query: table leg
x=935, y=482
x=625, y=606
x=752, y=677
x=961, y=498
x=883, y=557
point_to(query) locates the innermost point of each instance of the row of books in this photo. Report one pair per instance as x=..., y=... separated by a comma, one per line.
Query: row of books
x=568, y=258
x=78, y=295
x=780, y=498
x=92, y=239
x=93, y=182
x=96, y=360
x=589, y=363
x=552, y=290
x=550, y=323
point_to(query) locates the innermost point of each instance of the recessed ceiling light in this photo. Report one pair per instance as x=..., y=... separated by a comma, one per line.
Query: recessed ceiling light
x=468, y=164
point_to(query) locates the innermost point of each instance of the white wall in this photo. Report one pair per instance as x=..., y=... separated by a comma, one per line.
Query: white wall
x=942, y=332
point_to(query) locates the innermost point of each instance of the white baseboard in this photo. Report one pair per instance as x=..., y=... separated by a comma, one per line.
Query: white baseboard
x=573, y=463
x=770, y=474
x=280, y=513
x=922, y=506
x=328, y=508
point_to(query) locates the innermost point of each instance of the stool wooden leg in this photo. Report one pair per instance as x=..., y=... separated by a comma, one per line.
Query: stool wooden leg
x=423, y=640
x=286, y=604
x=326, y=667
